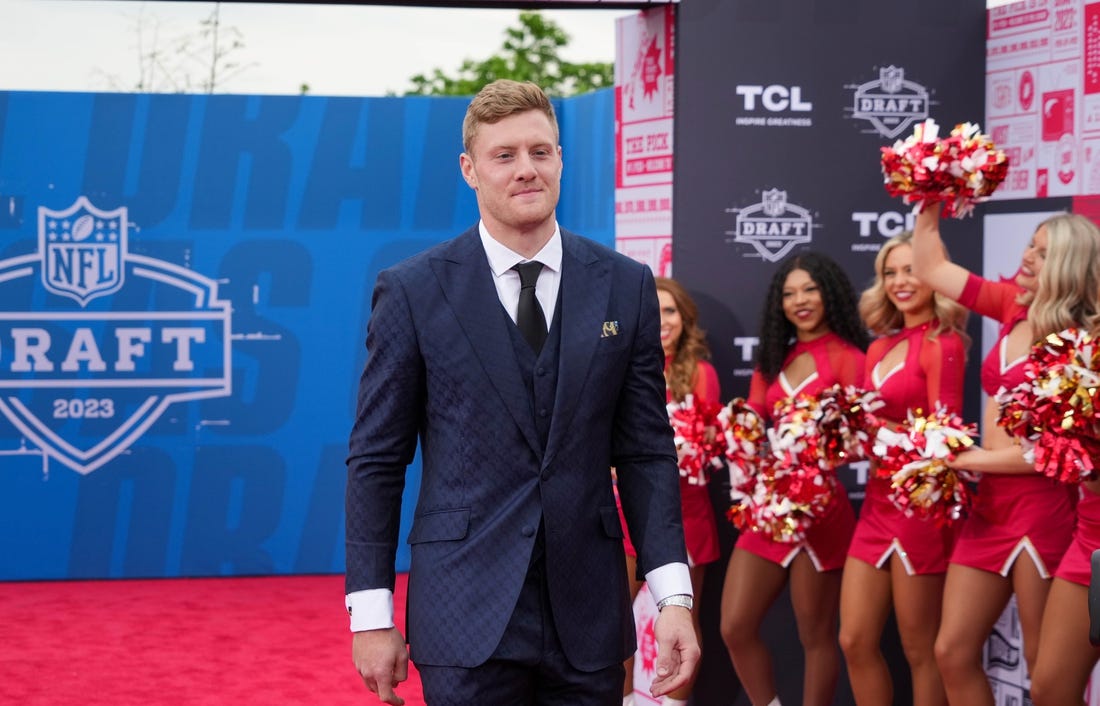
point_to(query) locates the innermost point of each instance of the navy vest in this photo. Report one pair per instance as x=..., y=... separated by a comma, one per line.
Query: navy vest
x=540, y=374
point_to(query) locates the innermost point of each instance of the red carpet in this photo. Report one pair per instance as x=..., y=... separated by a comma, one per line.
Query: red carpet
x=270, y=641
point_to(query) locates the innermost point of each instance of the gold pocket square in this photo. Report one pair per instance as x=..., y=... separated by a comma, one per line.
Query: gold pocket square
x=610, y=328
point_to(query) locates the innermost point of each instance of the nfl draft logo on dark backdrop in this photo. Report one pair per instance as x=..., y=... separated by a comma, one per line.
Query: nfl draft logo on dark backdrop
x=773, y=227
x=109, y=341
x=891, y=103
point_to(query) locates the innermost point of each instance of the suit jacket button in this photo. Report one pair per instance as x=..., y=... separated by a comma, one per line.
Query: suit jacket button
x=528, y=531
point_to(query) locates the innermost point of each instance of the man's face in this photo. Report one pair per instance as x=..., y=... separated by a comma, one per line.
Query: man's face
x=515, y=165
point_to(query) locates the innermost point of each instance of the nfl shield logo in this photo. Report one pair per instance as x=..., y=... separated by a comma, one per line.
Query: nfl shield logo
x=891, y=78
x=82, y=249
x=774, y=202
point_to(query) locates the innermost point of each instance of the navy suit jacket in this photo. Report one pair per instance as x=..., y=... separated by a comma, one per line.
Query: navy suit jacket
x=442, y=369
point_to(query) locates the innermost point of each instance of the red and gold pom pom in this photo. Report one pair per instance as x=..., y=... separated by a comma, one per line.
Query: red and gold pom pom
x=829, y=429
x=699, y=445
x=782, y=500
x=847, y=423
x=1056, y=411
x=959, y=170
x=743, y=430
x=914, y=459
x=745, y=438
x=794, y=483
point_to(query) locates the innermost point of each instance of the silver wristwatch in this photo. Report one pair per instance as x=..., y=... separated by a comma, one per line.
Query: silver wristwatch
x=679, y=599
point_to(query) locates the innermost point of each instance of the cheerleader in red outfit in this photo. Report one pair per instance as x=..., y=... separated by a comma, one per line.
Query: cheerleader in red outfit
x=686, y=372
x=1021, y=522
x=1065, y=657
x=811, y=339
x=917, y=363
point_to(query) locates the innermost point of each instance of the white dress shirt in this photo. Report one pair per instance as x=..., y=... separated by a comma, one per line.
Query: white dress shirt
x=501, y=262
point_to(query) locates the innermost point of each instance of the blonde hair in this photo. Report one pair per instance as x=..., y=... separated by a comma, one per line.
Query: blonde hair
x=692, y=346
x=503, y=98
x=882, y=317
x=1068, y=291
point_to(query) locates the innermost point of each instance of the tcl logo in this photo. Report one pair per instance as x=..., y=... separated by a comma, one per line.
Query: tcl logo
x=887, y=224
x=775, y=98
x=747, y=346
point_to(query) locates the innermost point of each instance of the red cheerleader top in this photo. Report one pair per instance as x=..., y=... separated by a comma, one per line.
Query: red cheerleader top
x=932, y=372
x=705, y=387
x=997, y=300
x=835, y=361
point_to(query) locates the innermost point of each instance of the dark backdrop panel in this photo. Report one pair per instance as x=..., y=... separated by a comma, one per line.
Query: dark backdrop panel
x=782, y=106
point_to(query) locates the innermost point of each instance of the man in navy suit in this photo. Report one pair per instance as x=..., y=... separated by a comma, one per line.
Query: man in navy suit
x=524, y=385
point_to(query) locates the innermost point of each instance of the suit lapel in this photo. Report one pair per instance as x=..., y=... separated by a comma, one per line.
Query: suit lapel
x=467, y=283
x=585, y=291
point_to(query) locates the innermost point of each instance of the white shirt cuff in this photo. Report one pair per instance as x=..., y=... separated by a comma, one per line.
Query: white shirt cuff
x=669, y=580
x=370, y=609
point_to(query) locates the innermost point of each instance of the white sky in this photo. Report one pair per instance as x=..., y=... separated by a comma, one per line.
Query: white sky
x=92, y=45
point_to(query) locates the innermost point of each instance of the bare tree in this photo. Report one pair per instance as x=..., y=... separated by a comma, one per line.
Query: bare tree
x=195, y=61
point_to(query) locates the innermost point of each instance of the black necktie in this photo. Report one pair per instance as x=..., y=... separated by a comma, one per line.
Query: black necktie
x=529, y=316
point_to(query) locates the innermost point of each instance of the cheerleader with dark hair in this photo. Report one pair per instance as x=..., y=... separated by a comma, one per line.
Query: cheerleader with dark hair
x=811, y=338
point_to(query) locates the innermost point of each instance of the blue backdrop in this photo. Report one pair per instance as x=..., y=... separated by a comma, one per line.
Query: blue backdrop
x=184, y=289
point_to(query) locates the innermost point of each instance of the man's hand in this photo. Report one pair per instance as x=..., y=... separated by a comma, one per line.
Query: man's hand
x=382, y=660
x=677, y=650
